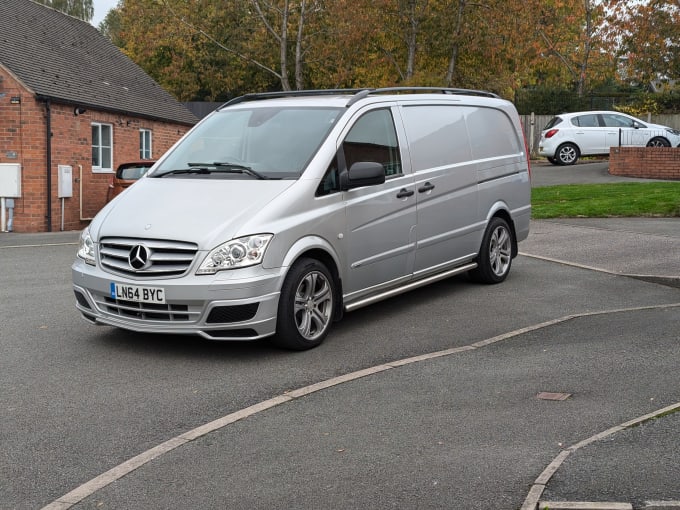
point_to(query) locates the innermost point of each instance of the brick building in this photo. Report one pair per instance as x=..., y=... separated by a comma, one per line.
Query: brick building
x=72, y=108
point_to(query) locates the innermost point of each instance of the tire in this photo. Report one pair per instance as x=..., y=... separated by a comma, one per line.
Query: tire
x=567, y=154
x=495, y=255
x=552, y=160
x=658, y=141
x=306, y=306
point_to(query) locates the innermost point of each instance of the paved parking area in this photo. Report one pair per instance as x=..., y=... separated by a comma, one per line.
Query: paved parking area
x=428, y=400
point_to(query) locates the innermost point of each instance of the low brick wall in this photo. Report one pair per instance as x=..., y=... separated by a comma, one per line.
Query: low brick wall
x=645, y=162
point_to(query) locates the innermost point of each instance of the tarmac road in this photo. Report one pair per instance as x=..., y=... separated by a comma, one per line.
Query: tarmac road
x=584, y=172
x=429, y=400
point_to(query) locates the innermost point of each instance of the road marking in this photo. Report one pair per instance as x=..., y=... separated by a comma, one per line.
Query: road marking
x=532, y=499
x=88, y=488
x=643, y=277
x=567, y=263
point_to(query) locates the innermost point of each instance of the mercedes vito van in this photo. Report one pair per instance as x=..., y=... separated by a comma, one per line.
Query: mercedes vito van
x=279, y=212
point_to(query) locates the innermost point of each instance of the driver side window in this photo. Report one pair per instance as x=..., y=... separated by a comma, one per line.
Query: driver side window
x=617, y=121
x=372, y=138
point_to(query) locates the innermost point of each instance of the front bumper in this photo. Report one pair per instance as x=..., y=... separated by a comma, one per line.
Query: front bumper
x=240, y=304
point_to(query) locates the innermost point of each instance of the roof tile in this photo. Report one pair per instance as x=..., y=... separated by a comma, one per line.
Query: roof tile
x=67, y=60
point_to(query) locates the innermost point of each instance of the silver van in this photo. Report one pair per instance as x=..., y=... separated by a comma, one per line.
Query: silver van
x=279, y=212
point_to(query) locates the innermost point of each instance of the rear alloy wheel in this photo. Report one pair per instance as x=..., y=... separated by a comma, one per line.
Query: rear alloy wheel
x=495, y=255
x=567, y=154
x=658, y=141
x=305, y=306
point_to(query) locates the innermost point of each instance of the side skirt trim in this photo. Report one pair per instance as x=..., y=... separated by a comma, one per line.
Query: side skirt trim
x=409, y=286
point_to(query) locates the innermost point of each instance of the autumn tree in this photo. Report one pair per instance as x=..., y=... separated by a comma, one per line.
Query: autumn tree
x=571, y=41
x=284, y=21
x=647, y=36
x=203, y=49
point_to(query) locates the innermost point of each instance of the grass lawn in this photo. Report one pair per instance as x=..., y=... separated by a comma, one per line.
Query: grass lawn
x=629, y=199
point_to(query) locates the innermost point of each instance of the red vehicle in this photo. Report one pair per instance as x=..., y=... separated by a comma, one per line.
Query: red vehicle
x=126, y=175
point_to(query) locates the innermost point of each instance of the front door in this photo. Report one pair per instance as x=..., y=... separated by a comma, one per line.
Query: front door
x=381, y=219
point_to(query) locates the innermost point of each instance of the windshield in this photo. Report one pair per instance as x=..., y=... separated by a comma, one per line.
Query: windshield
x=246, y=143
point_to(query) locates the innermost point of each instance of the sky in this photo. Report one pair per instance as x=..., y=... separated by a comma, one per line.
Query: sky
x=101, y=8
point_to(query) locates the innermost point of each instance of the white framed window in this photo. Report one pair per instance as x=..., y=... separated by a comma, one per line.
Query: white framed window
x=144, y=144
x=102, y=147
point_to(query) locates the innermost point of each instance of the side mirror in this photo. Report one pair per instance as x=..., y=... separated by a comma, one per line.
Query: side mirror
x=362, y=173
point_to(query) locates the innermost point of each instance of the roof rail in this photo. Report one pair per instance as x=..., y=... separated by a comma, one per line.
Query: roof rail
x=357, y=94
x=289, y=93
x=441, y=90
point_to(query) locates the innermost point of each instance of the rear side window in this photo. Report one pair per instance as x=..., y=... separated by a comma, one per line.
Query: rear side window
x=465, y=132
x=586, y=121
x=431, y=127
x=492, y=134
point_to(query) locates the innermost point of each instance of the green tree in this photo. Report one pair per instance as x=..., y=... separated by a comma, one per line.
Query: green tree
x=110, y=26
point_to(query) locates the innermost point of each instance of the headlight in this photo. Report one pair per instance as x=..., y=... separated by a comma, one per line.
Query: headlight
x=237, y=253
x=86, y=247
x=673, y=131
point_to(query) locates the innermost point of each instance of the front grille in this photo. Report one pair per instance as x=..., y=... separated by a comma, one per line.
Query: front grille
x=161, y=258
x=148, y=311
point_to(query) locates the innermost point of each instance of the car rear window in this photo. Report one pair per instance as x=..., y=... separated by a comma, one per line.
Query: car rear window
x=131, y=172
x=553, y=122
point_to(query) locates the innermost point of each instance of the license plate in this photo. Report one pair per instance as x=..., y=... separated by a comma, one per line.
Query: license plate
x=137, y=293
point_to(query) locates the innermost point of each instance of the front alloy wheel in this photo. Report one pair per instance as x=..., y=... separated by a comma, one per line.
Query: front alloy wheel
x=305, y=306
x=658, y=142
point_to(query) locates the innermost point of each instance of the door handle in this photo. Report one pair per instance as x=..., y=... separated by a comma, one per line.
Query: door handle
x=404, y=193
x=428, y=186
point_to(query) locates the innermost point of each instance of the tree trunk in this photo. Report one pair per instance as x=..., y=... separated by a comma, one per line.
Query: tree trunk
x=455, y=47
x=299, y=65
x=283, y=45
x=587, y=46
x=412, y=39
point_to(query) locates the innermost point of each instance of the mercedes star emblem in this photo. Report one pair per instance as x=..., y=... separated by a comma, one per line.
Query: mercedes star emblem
x=139, y=257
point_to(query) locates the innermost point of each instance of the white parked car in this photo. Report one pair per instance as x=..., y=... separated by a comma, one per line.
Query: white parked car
x=569, y=136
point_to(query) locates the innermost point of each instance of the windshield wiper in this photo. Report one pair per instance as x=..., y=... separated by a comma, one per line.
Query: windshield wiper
x=183, y=171
x=226, y=166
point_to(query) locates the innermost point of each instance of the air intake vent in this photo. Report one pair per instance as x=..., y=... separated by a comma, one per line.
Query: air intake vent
x=236, y=313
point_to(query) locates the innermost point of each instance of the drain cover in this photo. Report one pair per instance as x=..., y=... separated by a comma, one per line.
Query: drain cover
x=546, y=395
